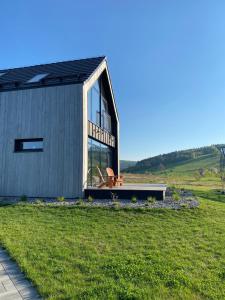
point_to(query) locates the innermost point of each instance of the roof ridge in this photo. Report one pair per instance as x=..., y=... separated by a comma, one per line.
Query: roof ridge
x=53, y=63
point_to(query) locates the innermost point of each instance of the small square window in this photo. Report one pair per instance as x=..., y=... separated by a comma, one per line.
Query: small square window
x=28, y=145
x=37, y=78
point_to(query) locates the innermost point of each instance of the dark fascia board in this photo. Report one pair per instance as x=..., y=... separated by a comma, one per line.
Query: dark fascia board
x=36, y=86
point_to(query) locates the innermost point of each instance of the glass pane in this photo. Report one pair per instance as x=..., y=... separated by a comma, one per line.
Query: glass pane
x=96, y=162
x=33, y=145
x=89, y=106
x=104, y=160
x=37, y=78
x=89, y=179
x=104, y=105
x=96, y=86
x=99, y=156
x=95, y=106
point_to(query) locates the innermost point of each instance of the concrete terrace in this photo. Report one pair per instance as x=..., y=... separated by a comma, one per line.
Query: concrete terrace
x=13, y=284
x=126, y=191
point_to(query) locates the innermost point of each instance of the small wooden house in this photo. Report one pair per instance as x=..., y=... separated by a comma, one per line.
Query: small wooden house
x=58, y=122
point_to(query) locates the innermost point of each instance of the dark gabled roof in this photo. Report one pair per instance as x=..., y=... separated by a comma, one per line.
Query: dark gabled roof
x=74, y=71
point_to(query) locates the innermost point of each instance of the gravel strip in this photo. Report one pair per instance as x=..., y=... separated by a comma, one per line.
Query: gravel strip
x=186, y=201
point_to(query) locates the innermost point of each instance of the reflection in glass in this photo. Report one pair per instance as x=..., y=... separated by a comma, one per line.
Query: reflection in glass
x=98, y=110
x=32, y=145
x=99, y=156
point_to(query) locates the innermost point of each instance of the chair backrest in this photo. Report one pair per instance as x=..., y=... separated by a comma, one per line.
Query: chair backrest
x=110, y=172
x=100, y=174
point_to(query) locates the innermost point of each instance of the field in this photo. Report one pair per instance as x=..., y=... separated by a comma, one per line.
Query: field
x=94, y=253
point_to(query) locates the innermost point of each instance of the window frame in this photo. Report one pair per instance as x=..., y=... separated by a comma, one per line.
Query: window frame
x=18, y=145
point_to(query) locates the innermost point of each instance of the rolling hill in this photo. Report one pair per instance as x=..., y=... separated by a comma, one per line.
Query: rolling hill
x=124, y=164
x=185, y=161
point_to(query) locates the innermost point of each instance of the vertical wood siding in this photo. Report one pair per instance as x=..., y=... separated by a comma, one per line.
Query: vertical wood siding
x=56, y=115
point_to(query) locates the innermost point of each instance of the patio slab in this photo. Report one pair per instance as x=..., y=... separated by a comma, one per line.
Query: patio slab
x=13, y=284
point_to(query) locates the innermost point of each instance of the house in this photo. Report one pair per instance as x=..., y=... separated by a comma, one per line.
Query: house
x=58, y=122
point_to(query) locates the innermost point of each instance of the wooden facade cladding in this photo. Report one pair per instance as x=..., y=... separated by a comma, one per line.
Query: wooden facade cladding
x=51, y=113
x=101, y=135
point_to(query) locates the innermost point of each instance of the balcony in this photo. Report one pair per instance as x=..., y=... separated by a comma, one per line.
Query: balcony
x=97, y=133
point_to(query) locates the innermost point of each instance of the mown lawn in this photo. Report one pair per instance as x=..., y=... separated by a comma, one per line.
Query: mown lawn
x=84, y=253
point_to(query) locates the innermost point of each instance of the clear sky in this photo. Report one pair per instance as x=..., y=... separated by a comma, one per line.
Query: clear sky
x=166, y=58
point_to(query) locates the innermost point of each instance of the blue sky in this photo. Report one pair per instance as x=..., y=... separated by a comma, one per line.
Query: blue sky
x=166, y=58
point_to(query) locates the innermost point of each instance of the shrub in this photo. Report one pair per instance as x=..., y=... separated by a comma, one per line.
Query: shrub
x=176, y=196
x=173, y=188
x=79, y=202
x=90, y=199
x=133, y=199
x=151, y=200
x=39, y=201
x=184, y=205
x=116, y=204
x=23, y=198
x=61, y=199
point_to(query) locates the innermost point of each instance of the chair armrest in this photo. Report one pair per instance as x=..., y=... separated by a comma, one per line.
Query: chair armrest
x=111, y=177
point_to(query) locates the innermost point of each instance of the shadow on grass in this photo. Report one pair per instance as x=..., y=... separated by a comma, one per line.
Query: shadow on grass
x=4, y=204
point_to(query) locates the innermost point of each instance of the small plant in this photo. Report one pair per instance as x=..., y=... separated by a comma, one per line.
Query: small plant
x=79, y=202
x=90, y=199
x=116, y=204
x=23, y=198
x=39, y=201
x=184, y=205
x=61, y=199
x=176, y=196
x=134, y=199
x=151, y=200
x=172, y=187
x=114, y=196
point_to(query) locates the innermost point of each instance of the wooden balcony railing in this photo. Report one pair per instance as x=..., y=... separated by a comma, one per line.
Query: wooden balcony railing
x=101, y=135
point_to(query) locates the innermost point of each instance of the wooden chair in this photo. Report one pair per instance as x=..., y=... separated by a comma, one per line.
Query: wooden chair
x=113, y=180
x=103, y=181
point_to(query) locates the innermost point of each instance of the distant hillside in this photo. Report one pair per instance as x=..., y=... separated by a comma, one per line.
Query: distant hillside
x=127, y=164
x=185, y=161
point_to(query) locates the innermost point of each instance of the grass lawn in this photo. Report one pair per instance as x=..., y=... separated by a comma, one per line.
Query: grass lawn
x=84, y=253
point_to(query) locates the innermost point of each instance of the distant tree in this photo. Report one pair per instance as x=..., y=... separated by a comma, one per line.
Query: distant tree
x=161, y=167
x=222, y=168
x=215, y=150
x=202, y=172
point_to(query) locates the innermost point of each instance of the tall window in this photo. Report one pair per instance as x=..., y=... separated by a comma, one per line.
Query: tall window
x=99, y=156
x=98, y=111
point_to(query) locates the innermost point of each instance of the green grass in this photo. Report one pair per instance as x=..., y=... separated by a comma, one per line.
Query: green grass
x=84, y=253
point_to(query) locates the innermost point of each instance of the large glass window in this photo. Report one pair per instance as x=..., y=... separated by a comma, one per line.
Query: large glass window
x=99, y=156
x=98, y=111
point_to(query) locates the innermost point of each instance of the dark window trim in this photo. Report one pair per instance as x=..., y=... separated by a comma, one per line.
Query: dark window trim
x=18, y=143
